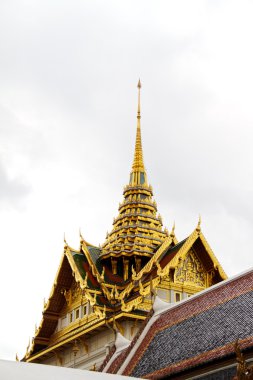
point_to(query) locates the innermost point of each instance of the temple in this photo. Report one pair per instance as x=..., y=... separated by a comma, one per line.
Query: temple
x=103, y=296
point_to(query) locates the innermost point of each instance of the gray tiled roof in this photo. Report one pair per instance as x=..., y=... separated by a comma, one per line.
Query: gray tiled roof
x=198, y=334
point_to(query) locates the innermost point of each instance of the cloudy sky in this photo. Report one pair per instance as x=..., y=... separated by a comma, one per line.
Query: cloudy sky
x=68, y=99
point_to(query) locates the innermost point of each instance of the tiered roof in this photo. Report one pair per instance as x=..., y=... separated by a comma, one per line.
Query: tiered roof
x=118, y=278
x=137, y=230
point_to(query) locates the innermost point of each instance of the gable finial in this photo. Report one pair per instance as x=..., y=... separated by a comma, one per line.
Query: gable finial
x=65, y=241
x=198, y=229
x=172, y=234
x=80, y=235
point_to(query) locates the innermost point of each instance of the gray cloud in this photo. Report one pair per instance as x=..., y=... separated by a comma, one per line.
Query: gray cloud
x=12, y=191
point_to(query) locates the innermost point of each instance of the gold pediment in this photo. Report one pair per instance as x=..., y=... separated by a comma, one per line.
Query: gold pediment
x=190, y=270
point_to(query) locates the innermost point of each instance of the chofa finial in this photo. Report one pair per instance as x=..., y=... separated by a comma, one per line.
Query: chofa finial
x=172, y=234
x=65, y=241
x=80, y=235
x=198, y=229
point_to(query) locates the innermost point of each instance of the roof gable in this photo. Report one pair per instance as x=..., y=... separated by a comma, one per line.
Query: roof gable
x=53, y=306
x=74, y=267
x=198, y=245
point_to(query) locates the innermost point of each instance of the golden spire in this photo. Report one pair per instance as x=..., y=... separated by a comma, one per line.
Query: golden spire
x=138, y=203
x=138, y=164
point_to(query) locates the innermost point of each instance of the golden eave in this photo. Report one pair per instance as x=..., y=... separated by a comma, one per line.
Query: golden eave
x=73, y=337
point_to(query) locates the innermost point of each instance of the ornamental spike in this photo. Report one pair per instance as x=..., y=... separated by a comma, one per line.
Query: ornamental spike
x=139, y=100
x=173, y=229
x=199, y=224
x=64, y=239
x=138, y=164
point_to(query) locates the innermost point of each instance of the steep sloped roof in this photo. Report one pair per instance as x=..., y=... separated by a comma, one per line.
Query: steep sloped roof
x=196, y=331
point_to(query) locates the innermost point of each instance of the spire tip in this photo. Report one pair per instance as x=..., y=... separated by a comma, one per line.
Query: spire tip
x=138, y=175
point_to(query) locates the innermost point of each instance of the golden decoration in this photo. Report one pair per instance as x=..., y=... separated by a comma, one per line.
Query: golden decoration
x=244, y=371
x=161, y=272
x=190, y=270
x=130, y=305
x=126, y=291
x=147, y=268
x=91, y=299
x=198, y=228
x=103, y=274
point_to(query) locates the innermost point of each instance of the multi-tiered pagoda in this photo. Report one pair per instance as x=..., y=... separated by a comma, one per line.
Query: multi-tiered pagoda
x=105, y=293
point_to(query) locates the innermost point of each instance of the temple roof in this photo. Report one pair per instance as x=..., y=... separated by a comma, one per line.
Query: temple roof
x=117, y=279
x=194, y=332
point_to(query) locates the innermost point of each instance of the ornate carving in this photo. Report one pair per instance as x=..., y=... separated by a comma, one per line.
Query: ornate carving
x=161, y=272
x=100, y=314
x=103, y=274
x=190, y=270
x=106, y=291
x=130, y=305
x=91, y=299
x=68, y=296
x=143, y=291
x=244, y=371
x=126, y=291
x=76, y=291
x=153, y=260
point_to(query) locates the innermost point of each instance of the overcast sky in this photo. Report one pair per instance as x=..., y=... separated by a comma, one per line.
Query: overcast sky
x=68, y=99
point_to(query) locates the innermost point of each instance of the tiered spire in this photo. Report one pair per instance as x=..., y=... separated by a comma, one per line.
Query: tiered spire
x=137, y=230
x=138, y=164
